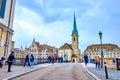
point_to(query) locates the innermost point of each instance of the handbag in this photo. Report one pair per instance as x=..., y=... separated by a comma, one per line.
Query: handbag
x=9, y=61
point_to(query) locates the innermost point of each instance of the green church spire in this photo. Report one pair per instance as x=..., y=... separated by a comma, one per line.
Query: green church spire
x=74, y=26
x=34, y=38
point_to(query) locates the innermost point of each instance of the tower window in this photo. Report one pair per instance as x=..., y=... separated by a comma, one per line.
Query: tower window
x=74, y=39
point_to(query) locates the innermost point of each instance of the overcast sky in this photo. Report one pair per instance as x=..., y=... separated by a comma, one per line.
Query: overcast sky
x=51, y=22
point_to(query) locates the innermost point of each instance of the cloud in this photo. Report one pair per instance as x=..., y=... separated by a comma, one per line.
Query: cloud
x=52, y=21
x=28, y=23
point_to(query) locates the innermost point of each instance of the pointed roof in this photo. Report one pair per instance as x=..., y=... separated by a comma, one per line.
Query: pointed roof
x=65, y=46
x=37, y=44
x=74, y=26
x=34, y=39
x=43, y=46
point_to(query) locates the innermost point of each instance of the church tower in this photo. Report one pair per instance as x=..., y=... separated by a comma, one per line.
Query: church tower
x=75, y=40
x=71, y=52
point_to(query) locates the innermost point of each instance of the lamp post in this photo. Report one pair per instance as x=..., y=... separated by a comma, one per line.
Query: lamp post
x=100, y=35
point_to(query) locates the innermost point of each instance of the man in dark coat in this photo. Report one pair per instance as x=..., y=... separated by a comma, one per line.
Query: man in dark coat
x=52, y=58
x=49, y=59
x=86, y=59
x=27, y=60
x=10, y=61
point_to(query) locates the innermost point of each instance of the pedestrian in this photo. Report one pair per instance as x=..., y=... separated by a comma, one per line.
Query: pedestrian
x=55, y=59
x=52, y=58
x=61, y=59
x=58, y=59
x=31, y=60
x=86, y=59
x=10, y=61
x=27, y=60
x=49, y=59
x=97, y=60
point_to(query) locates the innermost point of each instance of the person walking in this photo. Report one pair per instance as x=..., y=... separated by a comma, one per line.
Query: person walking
x=49, y=59
x=52, y=58
x=86, y=59
x=10, y=61
x=31, y=60
x=61, y=59
x=97, y=60
x=27, y=60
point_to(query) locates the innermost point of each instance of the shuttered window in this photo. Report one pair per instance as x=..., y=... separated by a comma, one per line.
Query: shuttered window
x=0, y=4
x=2, y=8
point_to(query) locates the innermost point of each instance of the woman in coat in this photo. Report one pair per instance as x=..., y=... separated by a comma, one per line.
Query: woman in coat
x=31, y=60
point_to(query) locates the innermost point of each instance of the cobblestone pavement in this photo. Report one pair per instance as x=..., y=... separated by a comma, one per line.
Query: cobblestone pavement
x=64, y=71
x=100, y=73
x=18, y=70
x=112, y=74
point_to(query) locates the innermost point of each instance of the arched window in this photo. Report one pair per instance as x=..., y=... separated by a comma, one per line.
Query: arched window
x=74, y=39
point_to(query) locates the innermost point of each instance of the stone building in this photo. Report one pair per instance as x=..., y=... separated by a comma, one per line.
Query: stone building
x=110, y=53
x=71, y=52
x=41, y=50
x=7, y=8
x=19, y=56
x=19, y=53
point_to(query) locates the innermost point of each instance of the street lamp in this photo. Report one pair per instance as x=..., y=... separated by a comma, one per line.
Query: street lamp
x=100, y=35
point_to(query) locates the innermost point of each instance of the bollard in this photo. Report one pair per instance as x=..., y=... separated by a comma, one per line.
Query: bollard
x=106, y=70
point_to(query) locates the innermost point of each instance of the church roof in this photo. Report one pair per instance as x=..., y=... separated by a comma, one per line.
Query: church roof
x=65, y=46
x=74, y=26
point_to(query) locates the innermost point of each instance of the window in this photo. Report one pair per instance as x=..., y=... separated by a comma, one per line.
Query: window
x=106, y=53
x=110, y=53
x=74, y=39
x=96, y=49
x=0, y=4
x=2, y=8
x=117, y=54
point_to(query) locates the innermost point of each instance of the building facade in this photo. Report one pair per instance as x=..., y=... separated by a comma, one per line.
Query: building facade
x=71, y=52
x=19, y=53
x=41, y=50
x=110, y=53
x=7, y=8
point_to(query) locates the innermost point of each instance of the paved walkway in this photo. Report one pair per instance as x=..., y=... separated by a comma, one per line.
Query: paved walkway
x=100, y=73
x=18, y=70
